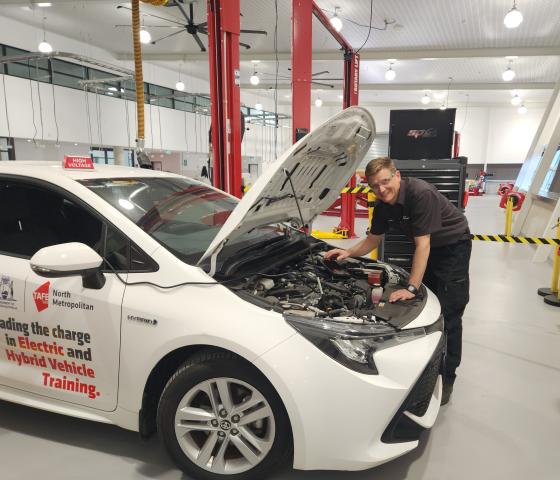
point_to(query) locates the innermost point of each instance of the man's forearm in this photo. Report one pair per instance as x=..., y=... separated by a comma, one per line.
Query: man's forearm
x=365, y=246
x=419, y=263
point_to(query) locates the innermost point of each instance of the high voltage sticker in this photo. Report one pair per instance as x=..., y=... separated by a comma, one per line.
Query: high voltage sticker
x=513, y=239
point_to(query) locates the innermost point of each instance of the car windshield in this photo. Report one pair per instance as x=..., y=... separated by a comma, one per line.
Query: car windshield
x=182, y=214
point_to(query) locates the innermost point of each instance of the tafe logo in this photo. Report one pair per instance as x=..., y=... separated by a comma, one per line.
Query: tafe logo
x=41, y=297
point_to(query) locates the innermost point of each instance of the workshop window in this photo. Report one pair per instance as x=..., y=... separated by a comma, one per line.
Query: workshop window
x=7, y=149
x=34, y=69
x=551, y=183
x=161, y=96
x=67, y=74
x=185, y=102
x=109, y=88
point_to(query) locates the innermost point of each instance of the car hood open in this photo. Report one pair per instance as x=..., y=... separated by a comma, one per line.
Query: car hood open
x=319, y=166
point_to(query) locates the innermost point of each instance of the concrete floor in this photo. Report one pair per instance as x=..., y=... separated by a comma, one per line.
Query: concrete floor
x=503, y=421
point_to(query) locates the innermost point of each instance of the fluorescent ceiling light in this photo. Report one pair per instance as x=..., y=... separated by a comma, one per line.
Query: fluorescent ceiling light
x=522, y=110
x=180, y=86
x=335, y=20
x=255, y=80
x=513, y=18
x=508, y=75
x=516, y=100
x=145, y=36
x=45, y=47
x=390, y=74
x=426, y=99
x=112, y=89
x=44, y=4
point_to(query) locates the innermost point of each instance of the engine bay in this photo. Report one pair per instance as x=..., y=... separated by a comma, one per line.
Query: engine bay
x=354, y=291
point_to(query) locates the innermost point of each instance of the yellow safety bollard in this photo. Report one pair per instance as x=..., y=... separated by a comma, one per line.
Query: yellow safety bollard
x=552, y=295
x=556, y=271
x=509, y=215
x=370, y=199
x=555, y=287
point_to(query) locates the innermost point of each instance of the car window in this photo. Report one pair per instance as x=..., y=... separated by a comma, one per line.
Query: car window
x=183, y=215
x=116, y=251
x=33, y=217
x=139, y=261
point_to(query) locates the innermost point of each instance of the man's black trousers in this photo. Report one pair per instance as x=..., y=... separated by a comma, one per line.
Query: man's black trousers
x=447, y=275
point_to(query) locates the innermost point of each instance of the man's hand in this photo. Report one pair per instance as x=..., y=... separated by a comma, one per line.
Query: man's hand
x=337, y=254
x=402, y=294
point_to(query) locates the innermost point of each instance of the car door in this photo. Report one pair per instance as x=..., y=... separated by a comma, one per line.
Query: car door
x=59, y=339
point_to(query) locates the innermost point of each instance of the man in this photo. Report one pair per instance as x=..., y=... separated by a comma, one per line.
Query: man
x=442, y=247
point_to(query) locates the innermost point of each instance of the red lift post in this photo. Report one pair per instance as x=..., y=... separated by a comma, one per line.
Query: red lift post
x=301, y=67
x=223, y=58
x=302, y=52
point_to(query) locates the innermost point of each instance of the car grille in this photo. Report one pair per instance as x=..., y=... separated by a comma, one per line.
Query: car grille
x=402, y=428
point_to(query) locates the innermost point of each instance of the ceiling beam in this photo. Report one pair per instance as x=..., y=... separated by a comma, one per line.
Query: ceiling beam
x=422, y=86
x=453, y=103
x=370, y=54
x=428, y=54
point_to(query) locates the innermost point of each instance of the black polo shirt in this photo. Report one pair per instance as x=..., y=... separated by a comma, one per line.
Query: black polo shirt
x=420, y=209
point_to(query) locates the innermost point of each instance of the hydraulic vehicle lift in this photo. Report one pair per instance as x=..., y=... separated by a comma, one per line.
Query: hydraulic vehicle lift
x=223, y=59
x=302, y=55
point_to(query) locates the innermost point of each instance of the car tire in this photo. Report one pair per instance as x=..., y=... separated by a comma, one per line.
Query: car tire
x=250, y=441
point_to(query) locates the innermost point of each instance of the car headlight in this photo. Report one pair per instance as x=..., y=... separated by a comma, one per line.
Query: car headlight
x=354, y=345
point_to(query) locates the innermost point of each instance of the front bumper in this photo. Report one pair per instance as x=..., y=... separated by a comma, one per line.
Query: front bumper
x=343, y=420
x=421, y=406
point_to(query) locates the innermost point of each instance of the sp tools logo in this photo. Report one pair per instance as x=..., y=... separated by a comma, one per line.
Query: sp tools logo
x=41, y=297
x=427, y=133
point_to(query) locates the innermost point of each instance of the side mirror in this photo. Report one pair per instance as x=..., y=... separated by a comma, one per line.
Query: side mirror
x=69, y=259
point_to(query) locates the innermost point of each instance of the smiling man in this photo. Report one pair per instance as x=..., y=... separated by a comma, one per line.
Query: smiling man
x=440, y=232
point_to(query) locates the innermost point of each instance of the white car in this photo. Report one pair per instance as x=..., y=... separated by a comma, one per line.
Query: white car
x=154, y=302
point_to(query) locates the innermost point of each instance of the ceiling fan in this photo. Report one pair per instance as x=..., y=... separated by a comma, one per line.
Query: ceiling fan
x=314, y=75
x=190, y=27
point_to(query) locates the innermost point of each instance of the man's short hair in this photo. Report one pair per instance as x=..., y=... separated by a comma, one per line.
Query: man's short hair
x=377, y=164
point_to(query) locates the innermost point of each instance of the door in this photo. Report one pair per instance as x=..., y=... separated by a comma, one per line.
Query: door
x=57, y=338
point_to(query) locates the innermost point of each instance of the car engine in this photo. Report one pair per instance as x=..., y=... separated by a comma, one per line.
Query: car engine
x=354, y=291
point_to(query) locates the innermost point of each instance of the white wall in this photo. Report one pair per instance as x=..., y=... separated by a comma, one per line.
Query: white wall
x=107, y=118
x=20, y=35
x=108, y=125
x=179, y=131
x=47, y=150
x=488, y=134
x=510, y=134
